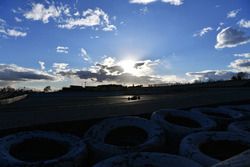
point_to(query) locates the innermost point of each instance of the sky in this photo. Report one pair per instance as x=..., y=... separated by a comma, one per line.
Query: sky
x=61, y=43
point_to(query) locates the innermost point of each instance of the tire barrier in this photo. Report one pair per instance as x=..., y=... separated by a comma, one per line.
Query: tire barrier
x=242, y=127
x=121, y=135
x=147, y=159
x=222, y=116
x=244, y=109
x=42, y=149
x=179, y=123
x=209, y=148
x=241, y=160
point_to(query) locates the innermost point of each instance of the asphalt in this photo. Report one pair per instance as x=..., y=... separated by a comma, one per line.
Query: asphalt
x=63, y=107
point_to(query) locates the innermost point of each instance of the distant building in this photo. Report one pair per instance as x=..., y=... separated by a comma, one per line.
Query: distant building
x=73, y=88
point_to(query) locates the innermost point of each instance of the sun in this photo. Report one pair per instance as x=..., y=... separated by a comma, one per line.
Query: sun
x=128, y=66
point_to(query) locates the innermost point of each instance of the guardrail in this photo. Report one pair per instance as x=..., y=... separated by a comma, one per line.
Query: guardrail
x=12, y=99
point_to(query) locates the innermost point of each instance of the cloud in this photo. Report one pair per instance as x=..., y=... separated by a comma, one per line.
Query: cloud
x=15, y=33
x=18, y=19
x=171, y=2
x=142, y=1
x=246, y=55
x=42, y=65
x=233, y=13
x=211, y=75
x=89, y=18
x=94, y=37
x=59, y=67
x=203, y=31
x=123, y=78
x=67, y=18
x=174, y=2
x=62, y=49
x=220, y=26
x=241, y=65
x=230, y=37
x=110, y=71
x=84, y=54
x=144, y=10
x=244, y=23
x=9, y=31
x=40, y=12
x=12, y=72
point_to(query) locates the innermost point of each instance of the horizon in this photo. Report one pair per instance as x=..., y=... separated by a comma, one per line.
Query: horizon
x=141, y=42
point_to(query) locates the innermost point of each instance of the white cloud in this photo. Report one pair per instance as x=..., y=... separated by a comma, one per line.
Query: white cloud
x=246, y=55
x=42, y=65
x=15, y=33
x=89, y=18
x=58, y=67
x=84, y=54
x=174, y=2
x=144, y=10
x=203, y=31
x=241, y=65
x=62, y=49
x=18, y=19
x=8, y=31
x=67, y=19
x=233, y=13
x=220, y=26
x=230, y=37
x=40, y=12
x=171, y=2
x=142, y=1
x=244, y=23
x=94, y=37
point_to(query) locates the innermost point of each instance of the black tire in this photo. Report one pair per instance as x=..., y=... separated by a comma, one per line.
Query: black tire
x=116, y=136
x=244, y=109
x=242, y=127
x=222, y=116
x=147, y=159
x=179, y=123
x=209, y=148
x=42, y=149
x=240, y=160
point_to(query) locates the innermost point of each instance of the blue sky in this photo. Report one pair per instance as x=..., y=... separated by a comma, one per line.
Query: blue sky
x=122, y=41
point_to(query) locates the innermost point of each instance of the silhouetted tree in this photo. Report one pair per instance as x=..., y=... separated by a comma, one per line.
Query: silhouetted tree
x=239, y=76
x=47, y=89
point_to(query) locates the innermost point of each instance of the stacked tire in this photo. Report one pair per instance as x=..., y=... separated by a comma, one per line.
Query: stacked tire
x=179, y=123
x=209, y=148
x=242, y=127
x=222, y=116
x=42, y=149
x=123, y=135
x=147, y=159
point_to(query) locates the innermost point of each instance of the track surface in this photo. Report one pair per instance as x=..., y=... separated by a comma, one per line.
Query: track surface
x=50, y=108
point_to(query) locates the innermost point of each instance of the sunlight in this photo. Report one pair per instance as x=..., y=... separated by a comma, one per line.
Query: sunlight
x=128, y=66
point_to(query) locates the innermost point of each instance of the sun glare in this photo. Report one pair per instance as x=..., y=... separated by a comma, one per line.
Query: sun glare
x=128, y=66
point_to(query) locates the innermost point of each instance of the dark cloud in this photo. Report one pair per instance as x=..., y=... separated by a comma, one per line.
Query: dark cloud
x=214, y=75
x=241, y=65
x=102, y=76
x=115, y=69
x=138, y=65
x=110, y=69
x=16, y=73
x=230, y=37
